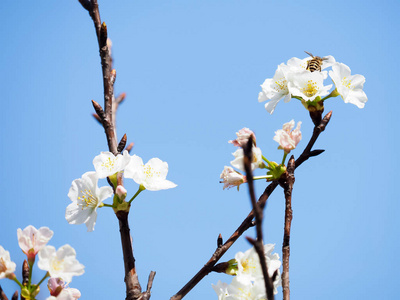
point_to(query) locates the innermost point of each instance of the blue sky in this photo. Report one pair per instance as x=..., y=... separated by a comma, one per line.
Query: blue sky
x=192, y=72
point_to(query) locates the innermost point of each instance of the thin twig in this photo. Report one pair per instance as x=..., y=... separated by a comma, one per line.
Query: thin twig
x=287, y=183
x=248, y=221
x=146, y=295
x=258, y=216
x=2, y=294
x=107, y=117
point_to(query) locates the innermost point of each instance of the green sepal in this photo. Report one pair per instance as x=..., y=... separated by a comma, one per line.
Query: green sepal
x=124, y=206
x=232, y=268
x=113, y=179
x=276, y=172
x=25, y=293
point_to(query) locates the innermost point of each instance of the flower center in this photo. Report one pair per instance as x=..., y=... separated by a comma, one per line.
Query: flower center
x=87, y=199
x=280, y=85
x=310, y=89
x=248, y=265
x=57, y=265
x=346, y=82
x=109, y=163
x=149, y=172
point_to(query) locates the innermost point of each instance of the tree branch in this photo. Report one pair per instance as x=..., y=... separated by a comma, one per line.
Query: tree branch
x=2, y=294
x=248, y=221
x=287, y=183
x=258, y=216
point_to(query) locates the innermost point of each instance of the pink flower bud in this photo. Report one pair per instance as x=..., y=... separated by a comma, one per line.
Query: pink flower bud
x=286, y=138
x=243, y=136
x=231, y=178
x=121, y=192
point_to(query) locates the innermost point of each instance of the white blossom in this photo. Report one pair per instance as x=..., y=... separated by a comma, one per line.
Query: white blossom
x=106, y=164
x=308, y=85
x=7, y=267
x=86, y=197
x=246, y=290
x=249, y=267
x=151, y=175
x=350, y=87
x=61, y=263
x=274, y=89
x=257, y=162
x=31, y=240
x=221, y=288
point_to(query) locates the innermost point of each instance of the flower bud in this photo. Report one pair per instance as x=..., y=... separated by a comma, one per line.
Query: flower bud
x=121, y=192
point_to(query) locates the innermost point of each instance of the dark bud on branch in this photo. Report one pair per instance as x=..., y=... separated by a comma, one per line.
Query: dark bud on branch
x=122, y=144
x=99, y=110
x=316, y=152
x=219, y=241
x=103, y=35
x=86, y=4
x=15, y=296
x=25, y=273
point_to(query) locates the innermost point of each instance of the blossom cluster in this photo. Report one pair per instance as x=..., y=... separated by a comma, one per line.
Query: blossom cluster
x=86, y=196
x=294, y=80
x=248, y=282
x=287, y=138
x=61, y=265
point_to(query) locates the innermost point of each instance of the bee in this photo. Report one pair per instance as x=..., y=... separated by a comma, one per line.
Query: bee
x=315, y=63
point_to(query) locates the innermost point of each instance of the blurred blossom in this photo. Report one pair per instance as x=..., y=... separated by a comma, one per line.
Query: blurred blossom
x=86, y=197
x=7, y=267
x=61, y=263
x=243, y=136
x=60, y=292
x=288, y=138
x=257, y=162
x=32, y=240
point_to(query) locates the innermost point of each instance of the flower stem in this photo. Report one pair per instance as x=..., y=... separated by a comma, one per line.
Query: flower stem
x=16, y=280
x=267, y=161
x=106, y=205
x=334, y=93
x=262, y=177
x=30, y=273
x=141, y=188
x=41, y=281
x=284, y=158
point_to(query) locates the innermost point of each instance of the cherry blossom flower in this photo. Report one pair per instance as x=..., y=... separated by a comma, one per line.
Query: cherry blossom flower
x=151, y=175
x=350, y=87
x=86, y=197
x=239, y=156
x=249, y=267
x=61, y=263
x=31, y=240
x=308, y=85
x=274, y=89
x=106, y=164
x=245, y=289
x=59, y=291
x=7, y=267
x=288, y=138
x=221, y=288
x=243, y=136
x=231, y=178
